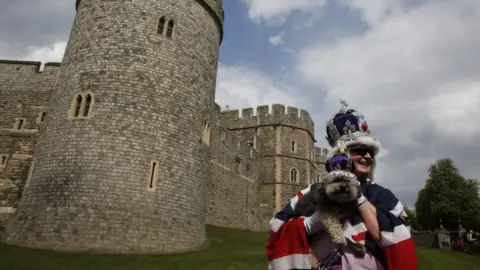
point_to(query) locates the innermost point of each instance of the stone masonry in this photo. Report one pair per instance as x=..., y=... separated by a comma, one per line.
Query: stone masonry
x=288, y=160
x=121, y=148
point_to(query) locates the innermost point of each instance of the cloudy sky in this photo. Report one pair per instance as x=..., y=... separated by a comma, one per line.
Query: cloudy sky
x=411, y=66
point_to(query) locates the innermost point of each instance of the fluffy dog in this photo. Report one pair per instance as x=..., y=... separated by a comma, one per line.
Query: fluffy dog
x=335, y=197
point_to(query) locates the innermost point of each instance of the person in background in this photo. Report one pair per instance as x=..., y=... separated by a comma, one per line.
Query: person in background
x=379, y=222
x=470, y=237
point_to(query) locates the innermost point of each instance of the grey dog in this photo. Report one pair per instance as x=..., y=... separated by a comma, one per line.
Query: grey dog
x=335, y=197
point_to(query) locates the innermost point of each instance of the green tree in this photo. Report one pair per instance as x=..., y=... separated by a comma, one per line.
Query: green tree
x=412, y=218
x=448, y=196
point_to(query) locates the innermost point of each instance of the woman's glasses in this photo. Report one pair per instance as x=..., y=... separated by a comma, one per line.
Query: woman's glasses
x=362, y=152
x=344, y=162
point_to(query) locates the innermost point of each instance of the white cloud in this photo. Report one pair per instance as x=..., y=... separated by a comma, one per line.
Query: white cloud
x=277, y=11
x=375, y=11
x=414, y=69
x=51, y=53
x=277, y=39
x=242, y=87
x=452, y=111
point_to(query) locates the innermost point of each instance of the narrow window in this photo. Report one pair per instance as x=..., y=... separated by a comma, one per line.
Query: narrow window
x=3, y=162
x=42, y=116
x=237, y=165
x=318, y=178
x=88, y=103
x=153, y=176
x=30, y=172
x=19, y=123
x=293, y=146
x=161, y=26
x=293, y=175
x=78, y=105
x=171, y=24
x=206, y=132
x=248, y=170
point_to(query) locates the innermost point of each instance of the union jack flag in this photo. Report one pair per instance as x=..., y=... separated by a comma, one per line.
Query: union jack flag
x=288, y=247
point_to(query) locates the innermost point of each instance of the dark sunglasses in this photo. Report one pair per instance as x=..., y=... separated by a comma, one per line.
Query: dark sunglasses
x=362, y=152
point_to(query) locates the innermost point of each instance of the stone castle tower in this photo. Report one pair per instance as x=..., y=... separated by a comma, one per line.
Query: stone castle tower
x=119, y=166
x=288, y=159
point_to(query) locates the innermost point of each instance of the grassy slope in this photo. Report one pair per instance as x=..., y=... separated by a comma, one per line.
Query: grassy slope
x=229, y=250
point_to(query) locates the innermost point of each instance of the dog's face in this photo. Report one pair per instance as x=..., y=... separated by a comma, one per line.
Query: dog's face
x=341, y=186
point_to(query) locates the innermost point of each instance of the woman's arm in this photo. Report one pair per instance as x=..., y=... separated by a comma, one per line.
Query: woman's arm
x=368, y=212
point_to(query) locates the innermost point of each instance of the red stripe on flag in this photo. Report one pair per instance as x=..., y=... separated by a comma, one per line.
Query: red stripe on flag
x=360, y=237
x=402, y=255
x=290, y=239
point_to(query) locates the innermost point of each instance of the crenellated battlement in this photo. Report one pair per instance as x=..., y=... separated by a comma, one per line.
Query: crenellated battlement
x=19, y=66
x=27, y=76
x=267, y=115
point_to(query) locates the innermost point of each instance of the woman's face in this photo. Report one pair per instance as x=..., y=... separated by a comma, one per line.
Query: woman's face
x=363, y=159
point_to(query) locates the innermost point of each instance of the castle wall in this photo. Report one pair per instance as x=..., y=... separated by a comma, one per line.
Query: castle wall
x=285, y=141
x=294, y=152
x=229, y=192
x=320, y=156
x=233, y=186
x=24, y=95
x=263, y=141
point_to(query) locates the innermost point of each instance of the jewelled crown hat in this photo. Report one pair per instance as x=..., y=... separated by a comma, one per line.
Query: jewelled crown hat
x=348, y=128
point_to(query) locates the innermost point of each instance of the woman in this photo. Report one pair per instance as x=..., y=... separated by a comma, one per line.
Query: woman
x=379, y=222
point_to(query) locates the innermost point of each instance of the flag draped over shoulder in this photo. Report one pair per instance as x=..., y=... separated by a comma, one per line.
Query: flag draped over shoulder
x=288, y=249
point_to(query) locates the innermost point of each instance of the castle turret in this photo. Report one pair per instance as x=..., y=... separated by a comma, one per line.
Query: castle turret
x=120, y=166
x=285, y=140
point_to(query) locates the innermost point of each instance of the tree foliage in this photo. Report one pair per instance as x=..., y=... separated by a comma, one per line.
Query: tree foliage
x=412, y=218
x=448, y=196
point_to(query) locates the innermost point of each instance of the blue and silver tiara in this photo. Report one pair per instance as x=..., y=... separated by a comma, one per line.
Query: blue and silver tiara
x=340, y=162
x=348, y=127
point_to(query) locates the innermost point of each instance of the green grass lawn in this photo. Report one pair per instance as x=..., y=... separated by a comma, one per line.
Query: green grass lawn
x=444, y=259
x=229, y=250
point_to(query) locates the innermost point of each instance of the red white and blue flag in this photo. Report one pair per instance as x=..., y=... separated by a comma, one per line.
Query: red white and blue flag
x=288, y=248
